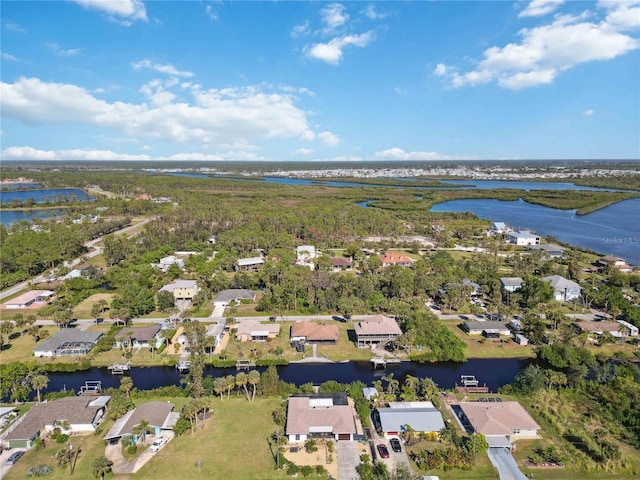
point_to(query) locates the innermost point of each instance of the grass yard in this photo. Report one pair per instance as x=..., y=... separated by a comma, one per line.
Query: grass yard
x=482, y=470
x=21, y=347
x=83, y=309
x=232, y=445
x=346, y=348
x=91, y=447
x=487, y=349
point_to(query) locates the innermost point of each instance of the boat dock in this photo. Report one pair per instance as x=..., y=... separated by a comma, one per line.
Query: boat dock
x=119, y=368
x=383, y=362
x=469, y=384
x=183, y=366
x=244, y=364
x=91, y=387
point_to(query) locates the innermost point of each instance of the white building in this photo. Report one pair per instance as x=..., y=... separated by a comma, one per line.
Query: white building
x=564, y=290
x=523, y=238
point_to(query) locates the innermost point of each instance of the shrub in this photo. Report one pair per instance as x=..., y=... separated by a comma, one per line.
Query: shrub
x=292, y=469
x=306, y=470
x=61, y=438
x=39, y=470
x=310, y=445
x=132, y=449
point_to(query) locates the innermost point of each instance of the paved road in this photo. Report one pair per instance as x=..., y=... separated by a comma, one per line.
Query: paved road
x=90, y=245
x=507, y=467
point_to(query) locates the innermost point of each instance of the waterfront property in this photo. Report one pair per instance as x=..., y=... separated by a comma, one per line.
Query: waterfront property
x=376, y=330
x=321, y=416
x=549, y=250
x=499, y=227
x=521, y=340
x=523, y=238
x=564, y=290
x=254, y=331
x=30, y=299
x=511, y=284
x=609, y=262
x=499, y=419
x=487, y=329
x=421, y=417
x=399, y=259
x=67, y=342
x=182, y=289
x=619, y=329
x=160, y=416
x=70, y=414
x=312, y=332
x=139, y=336
x=226, y=297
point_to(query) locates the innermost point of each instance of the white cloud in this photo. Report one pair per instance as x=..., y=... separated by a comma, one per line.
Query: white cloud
x=211, y=13
x=332, y=52
x=588, y=113
x=371, y=13
x=546, y=51
x=300, y=30
x=399, y=154
x=329, y=139
x=168, y=69
x=63, y=52
x=8, y=56
x=14, y=27
x=215, y=117
x=538, y=8
x=118, y=9
x=303, y=151
x=333, y=16
x=622, y=14
x=29, y=153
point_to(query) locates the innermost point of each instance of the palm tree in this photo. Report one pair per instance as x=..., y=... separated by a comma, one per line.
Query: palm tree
x=100, y=466
x=241, y=381
x=6, y=328
x=253, y=378
x=142, y=428
x=126, y=385
x=38, y=382
x=229, y=383
x=219, y=386
x=428, y=388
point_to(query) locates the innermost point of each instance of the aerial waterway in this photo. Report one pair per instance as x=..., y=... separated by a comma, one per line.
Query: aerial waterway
x=494, y=372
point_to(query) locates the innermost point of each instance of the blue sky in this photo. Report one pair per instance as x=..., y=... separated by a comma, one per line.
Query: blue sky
x=320, y=81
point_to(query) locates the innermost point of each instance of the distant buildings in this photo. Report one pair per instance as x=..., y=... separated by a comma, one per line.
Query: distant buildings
x=182, y=289
x=305, y=254
x=511, y=284
x=166, y=262
x=612, y=262
x=499, y=227
x=249, y=264
x=549, y=250
x=399, y=259
x=33, y=298
x=341, y=264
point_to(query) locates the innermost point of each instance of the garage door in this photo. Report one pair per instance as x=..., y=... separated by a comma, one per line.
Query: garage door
x=344, y=436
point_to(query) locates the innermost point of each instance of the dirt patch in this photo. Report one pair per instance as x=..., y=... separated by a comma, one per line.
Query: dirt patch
x=321, y=457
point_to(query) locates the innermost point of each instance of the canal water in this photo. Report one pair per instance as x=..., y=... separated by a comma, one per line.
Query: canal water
x=494, y=372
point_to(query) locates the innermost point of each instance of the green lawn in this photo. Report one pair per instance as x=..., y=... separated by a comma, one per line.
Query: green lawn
x=477, y=348
x=232, y=445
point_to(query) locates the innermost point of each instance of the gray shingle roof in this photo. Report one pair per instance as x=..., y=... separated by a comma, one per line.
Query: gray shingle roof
x=67, y=335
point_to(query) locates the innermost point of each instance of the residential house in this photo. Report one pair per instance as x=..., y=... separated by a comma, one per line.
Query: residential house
x=166, y=262
x=250, y=264
x=609, y=261
x=139, y=336
x=487, y=329
x=376, y=330
x=422, y=417
x=67, y=342
x=226, y=297
x=370, y=392
x=311, y=332
x=159, y=415
x=511, y=284
x=521, y=340
x=499, y=227
x=182, y=289
x=399, y=259
x=305, y=254
x=564, y=290
x=549, y=250
x=523, y=238
x=616, y=329
x=632, y=330
x=80, y=414
x=341, y=264
x=30, y=299
x=499, y=419
x=254, y=331
x=216, y=330
x=321, y=416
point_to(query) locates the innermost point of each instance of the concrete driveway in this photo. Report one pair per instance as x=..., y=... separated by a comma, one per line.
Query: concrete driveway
x=348, y=459
x=507, y=467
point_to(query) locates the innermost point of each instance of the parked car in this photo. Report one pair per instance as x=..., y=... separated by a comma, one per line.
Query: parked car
x=383, y=450
x=157, y=445
x=14, y=457
x=395, y=445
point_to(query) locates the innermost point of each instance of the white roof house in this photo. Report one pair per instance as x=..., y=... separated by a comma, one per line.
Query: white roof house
x=564, y=290
x=420, y=416
x=523, y=237
x=28, y=299
x=499, y=227
x=511, y=284
x=253, y=263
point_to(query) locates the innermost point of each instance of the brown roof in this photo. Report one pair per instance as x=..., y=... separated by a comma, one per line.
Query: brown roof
x=378, y=325
x=301, y=415
x=500, y=418
x=341, y=262
x=74, y=410
x=315, y=331
x=142, y=334
x=598, y=326
x=396, y=258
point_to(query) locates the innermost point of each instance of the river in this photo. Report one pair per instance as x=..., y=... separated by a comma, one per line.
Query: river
x=494, y=372
x=45, y=195
x=613, y=230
